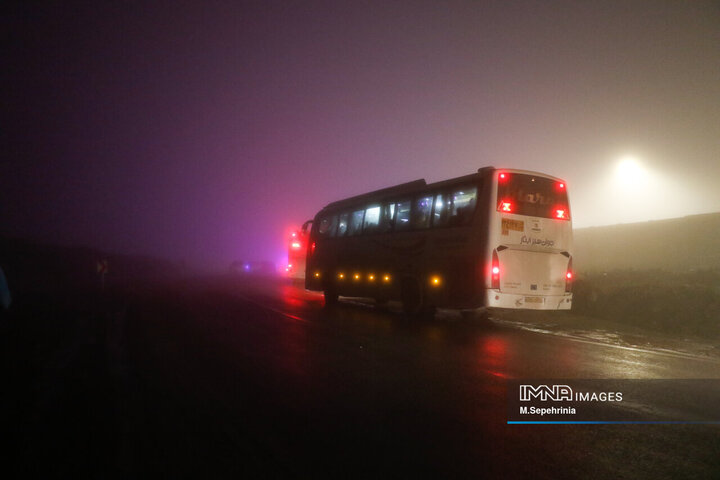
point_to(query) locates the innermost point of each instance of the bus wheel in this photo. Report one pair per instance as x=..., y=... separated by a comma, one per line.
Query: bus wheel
x=411, y=297
x=331, y=297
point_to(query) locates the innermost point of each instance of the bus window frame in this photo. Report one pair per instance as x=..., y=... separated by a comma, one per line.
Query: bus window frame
x=358, y=231
x=410, y=215
x=347, y=225
x=470, y=213
x=448, y=203
x=376, y=228
x=390, y=226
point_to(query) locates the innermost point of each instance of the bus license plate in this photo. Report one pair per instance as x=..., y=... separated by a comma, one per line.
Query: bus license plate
x=534, y=299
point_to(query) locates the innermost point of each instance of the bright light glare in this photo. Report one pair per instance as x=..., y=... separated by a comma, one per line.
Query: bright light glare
x=629, y=170
x=635, y=188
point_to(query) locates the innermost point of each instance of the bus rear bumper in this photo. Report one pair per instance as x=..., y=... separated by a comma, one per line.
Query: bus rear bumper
x=497, y=299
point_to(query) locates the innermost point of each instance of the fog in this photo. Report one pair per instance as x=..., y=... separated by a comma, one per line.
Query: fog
x=205, y=131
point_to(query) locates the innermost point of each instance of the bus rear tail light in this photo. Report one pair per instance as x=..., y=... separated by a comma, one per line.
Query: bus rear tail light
x=505, y=206
x=495, y=271
x=569, y=277
x=561, y=212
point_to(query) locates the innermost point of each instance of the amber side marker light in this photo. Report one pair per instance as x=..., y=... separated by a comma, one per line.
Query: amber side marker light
x=386, y=278
x=317, y=274
x=341, y=276
x=435, y=281
x=371, y=277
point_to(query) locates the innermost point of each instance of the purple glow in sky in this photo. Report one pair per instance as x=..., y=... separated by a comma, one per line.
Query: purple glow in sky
x=205, y=130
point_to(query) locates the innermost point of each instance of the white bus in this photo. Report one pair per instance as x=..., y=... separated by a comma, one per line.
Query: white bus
x=498, y=238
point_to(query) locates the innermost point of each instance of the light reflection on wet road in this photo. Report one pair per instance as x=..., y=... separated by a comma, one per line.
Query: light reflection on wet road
x=357, y=391
x=503, y=349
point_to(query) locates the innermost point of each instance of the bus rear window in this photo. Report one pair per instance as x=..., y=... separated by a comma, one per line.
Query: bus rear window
x=533, y=196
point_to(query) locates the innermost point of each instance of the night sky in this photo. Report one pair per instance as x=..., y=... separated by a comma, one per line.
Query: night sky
x=205, y=130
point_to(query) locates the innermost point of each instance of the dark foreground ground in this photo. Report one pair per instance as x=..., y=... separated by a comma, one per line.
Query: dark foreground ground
x=246, y=377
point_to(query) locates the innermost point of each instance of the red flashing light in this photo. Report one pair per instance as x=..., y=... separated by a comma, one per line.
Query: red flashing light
x=561, y=185
x=502, y=176
x=560, y=213
x=495, y=271
x=568, y=275
x=294, y=234
x=295, y=245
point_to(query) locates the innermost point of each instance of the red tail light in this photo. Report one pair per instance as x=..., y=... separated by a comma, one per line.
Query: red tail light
x=495, y=271
x=295, y=245
x=569, y=276
x=312, y=248
x=505, y=206
x=561, y=212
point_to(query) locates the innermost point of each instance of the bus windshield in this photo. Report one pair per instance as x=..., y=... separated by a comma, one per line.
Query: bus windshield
x=531, y=195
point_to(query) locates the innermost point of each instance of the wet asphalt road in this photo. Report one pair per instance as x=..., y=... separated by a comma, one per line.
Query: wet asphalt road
x=254, y=378
x=257, y=377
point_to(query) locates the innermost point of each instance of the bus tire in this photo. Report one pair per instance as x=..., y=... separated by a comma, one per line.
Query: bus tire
x=411, y=296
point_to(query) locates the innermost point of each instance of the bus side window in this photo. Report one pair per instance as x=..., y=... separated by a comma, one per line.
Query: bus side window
x=342, y=224
x=388, y=217
x=356, y=221
x=421, y=212
x=442, y=206
x=333, y=225
x=372, y=219
x=402, y=221
x=463, y=206
x=324, y=226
